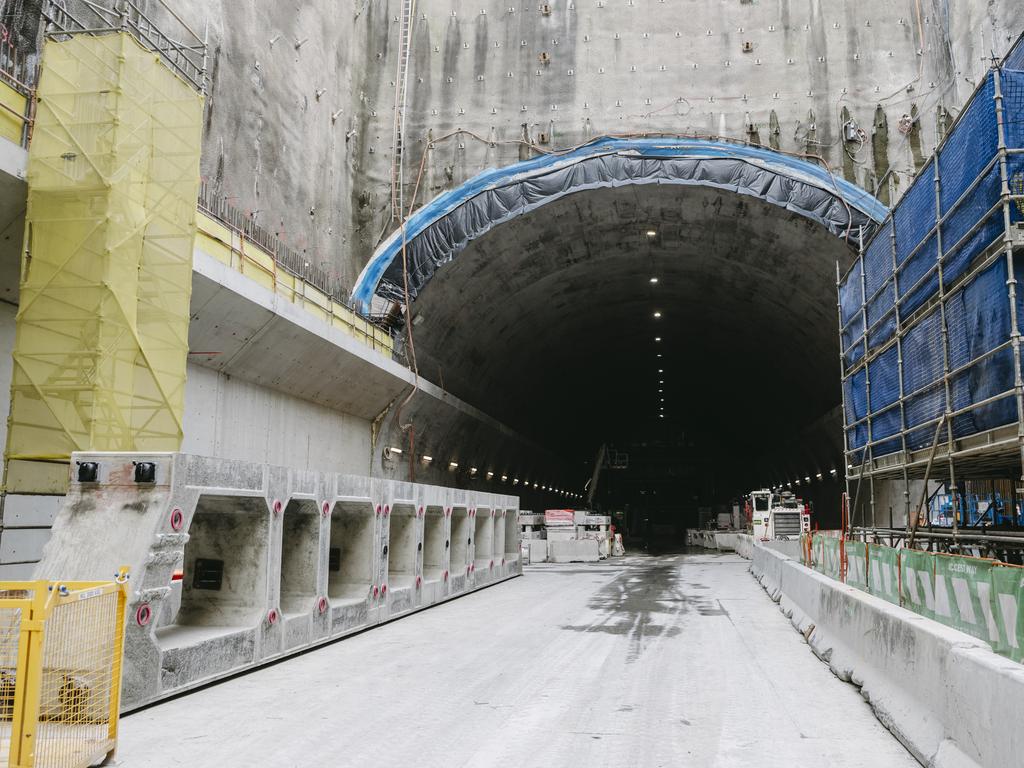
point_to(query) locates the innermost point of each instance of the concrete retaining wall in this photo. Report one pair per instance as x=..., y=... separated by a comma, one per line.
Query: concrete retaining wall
x=948, y=697
x=235, y=564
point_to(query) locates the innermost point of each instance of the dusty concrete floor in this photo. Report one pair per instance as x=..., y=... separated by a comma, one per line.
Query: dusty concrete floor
x=667, y=661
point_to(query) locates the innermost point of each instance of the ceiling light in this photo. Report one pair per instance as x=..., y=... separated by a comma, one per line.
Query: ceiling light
x=657, y=338
x=661, y=390
x=396, y=451
x=427, y=459
x=472, y=471
x=661, y=381
x=657, y=315
x=490, y=475
x=662, y=415
x=515, y=481
x=663, y=399
x=452, y=466
x=654, y=280
x=504, y=478
x=659, y=354
x=652, y=233
x=661, y=370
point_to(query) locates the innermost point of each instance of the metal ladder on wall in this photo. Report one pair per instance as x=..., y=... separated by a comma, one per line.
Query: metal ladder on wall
x=401, y=88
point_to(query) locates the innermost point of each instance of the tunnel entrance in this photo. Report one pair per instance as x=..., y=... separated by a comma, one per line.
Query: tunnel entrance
x=690, y=322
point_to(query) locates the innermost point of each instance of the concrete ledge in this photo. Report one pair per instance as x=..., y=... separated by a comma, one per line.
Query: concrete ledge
x=946, y=696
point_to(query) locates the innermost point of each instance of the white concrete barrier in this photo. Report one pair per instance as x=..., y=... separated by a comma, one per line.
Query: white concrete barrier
x=573, y=551
x=724, y=541
x=946, y=696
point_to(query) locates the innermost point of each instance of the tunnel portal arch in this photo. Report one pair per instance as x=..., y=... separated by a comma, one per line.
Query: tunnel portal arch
x=440, y=230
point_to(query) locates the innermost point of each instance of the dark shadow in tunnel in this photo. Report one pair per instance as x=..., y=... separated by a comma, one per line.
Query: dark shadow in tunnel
x=554, y=323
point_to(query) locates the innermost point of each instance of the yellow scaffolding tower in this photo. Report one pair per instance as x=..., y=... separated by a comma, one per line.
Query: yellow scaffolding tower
x=102, y=329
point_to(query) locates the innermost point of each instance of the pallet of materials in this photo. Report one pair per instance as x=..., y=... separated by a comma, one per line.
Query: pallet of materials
x=558, y=517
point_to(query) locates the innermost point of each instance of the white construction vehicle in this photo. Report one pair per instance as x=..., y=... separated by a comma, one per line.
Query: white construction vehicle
x=778, y=516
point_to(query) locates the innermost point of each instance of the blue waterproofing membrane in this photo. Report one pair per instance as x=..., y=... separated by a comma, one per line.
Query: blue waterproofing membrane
x=977, y=313
x=436, y=233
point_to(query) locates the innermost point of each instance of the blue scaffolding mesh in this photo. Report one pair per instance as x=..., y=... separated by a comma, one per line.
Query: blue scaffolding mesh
x=883, y=372
x=1015, y=58
x=970, y=221
x=914, y=287
x=878, y=260
x=882, y=332
x=922, y=353
x=851, y=295
x=970, y=146
x=1013, y=104
x=960, y=249
x=914, y=216
x=853, y=347
x=922, y=378
x=978, y=316
x=881, y=305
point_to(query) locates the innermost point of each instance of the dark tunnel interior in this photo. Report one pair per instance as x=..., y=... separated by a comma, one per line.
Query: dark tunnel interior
x=689, y=328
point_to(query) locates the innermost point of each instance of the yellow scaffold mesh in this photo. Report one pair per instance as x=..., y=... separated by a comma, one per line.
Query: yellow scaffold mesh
x=102, y=332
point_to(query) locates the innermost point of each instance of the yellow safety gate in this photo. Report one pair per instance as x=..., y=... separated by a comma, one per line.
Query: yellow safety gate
x=61, y=645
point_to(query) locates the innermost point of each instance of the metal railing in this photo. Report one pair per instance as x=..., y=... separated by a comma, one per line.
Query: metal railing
x=61, y=648
x=286, y=258
x=182, y=49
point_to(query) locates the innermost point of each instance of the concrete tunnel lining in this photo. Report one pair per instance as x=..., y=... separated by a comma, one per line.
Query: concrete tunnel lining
x=545, y=318
x=547, y=321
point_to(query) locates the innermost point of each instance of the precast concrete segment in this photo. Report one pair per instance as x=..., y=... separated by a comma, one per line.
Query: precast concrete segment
x=235, y=564
x=641, y=662
x=945, y=694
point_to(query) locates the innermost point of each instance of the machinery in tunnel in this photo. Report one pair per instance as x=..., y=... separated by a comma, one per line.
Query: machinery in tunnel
x=673, y=295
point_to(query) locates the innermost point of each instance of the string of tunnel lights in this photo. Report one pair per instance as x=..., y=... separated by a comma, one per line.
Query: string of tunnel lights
x=806, y=480
x=651, y=235
x=657, y=315
x=391, y=453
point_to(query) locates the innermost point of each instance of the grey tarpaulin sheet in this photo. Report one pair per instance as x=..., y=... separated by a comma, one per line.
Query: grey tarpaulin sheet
x=440, y=230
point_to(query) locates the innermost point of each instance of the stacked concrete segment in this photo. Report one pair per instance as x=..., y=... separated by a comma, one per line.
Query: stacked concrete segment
x=234, y=564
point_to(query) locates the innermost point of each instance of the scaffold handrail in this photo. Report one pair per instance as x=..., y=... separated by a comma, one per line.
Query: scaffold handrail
x=185, y=52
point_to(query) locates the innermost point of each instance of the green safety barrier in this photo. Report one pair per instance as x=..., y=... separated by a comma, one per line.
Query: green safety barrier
x=983, y=598
x=857, y=564
x=817, y=562
x=917, y=581
x=807, y=549
x=1008, y=607
x=883, y=572
x=963, y=595
x=831, y=557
